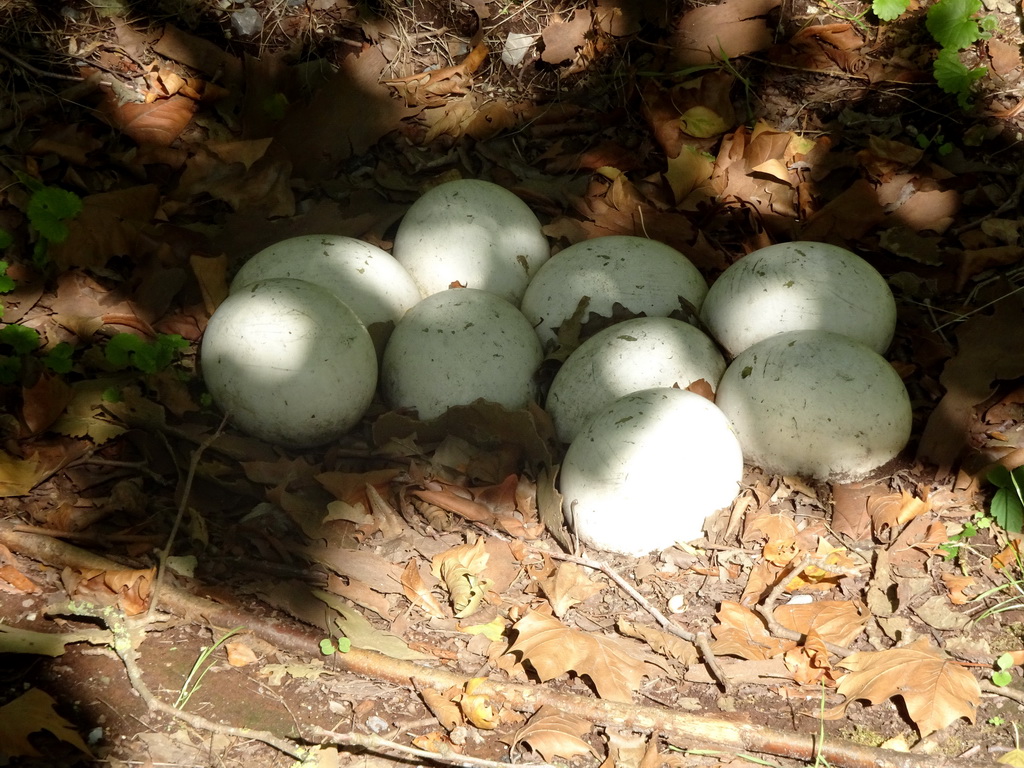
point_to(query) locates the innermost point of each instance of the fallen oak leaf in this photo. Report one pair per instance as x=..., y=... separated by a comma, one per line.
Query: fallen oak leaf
x=551, y=734
x=553, y=649
x=30, y=713
x=935, y=689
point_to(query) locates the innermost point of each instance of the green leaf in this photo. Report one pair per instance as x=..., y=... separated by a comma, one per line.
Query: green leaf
x=1008, y=511
x=951, y=23
x=1001, y=678
x=126, y=350
x=58, y=359
x=7, y=283
x=327, y=647
x=954, y=77
x=23, y=340
x=887, y=10
x=6, y=239
x=49, y=208
x=999, y=476
x=10, y=369
x=121, y=350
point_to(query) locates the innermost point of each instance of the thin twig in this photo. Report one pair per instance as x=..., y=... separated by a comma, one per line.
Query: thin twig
x=767, y=608
x=186, y=492
x=699, y=639
x=35, y=70
x=125, y=644
x=374, y=742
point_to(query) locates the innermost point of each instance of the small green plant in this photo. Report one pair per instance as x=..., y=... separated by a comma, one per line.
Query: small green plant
x=49, y=210
x=996, y=721
x=937, y=142
x=126, y=350
x=954, y=25
x=199, y=671
x=956, y=542
x=329, y=646
x=1002, y=676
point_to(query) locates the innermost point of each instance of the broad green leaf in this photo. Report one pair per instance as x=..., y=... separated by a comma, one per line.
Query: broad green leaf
x=5, y=239
x=49, y=208
x=1008, y=511
x=954, y=77
x=952, y=23
x=23, y=340
x=6, y=281
x=58, y=359
x=887, y=10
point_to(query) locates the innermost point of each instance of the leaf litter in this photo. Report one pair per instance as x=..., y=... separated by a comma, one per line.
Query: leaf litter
x=427, y=540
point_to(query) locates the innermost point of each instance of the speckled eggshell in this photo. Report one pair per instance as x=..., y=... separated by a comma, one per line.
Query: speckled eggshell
x=800, y=286
x=473, y=234
x=629, y=356
x=366, y=278
x=289, y=362
x=458, y=346
x=642, y=275
x=817, y=404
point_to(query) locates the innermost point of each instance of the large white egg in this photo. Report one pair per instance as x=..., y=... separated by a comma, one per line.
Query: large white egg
x=474, y=234
x=642, y=275
x=800, y=286
x=366, y=278
x=632, y=355
x=458, y=346
x=647, y=470
x=817, y=404
x=289, y=362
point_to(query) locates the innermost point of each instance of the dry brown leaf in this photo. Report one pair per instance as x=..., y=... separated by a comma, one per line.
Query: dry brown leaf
x=894, y=510
x=956, y=584
x=553, y=649
x=809, y=662
x=730, y=29
x=240, y=654
x=442, y=707
x=741, y=632
x=158, y=123
x=31, y=712
x=561, y=39
x=566, y=585
x=834, y=621
x=661, y=642
x=418, y=593
x=553, y=734
x=850, y=510
x=461, y=569
x=935, y=690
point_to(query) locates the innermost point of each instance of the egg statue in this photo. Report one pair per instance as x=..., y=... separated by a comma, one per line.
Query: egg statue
x=644, y=276
x=629, y=356
x=817, y=404
x=289, y=362
x=800, y=286
x=458, y=346
x=647, y=470
x=473, y=234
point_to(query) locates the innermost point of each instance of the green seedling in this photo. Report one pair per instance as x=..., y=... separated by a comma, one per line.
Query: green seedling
x=49, y=209
x=996, y=721
x=329, y=646
x=1002, y=676
x=937, y=142
x=956, y=542
x=126, y=350
x=199, y=671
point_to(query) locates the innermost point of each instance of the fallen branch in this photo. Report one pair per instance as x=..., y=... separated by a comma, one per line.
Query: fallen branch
x=683, y=730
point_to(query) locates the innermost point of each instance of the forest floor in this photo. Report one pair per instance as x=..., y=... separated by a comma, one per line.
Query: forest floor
x=302, y=611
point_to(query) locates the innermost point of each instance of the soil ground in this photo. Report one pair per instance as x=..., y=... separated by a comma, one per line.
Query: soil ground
x=195, y=140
